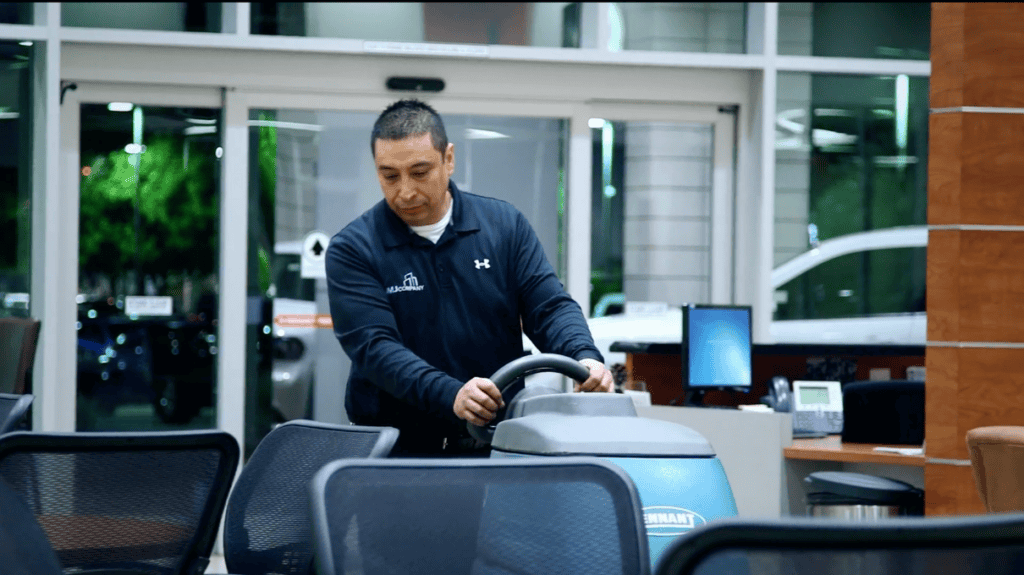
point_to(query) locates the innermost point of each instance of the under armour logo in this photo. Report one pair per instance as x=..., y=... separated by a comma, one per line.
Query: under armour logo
x=482, y=264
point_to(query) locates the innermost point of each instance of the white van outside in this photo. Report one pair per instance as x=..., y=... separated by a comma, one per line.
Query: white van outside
x=800, y=291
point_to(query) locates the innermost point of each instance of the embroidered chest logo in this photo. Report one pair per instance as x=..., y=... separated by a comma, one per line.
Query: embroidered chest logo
x=482, y=264
x=409, y=283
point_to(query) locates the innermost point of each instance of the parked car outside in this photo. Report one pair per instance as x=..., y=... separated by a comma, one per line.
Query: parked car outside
x=294, y=347
x=166, y=361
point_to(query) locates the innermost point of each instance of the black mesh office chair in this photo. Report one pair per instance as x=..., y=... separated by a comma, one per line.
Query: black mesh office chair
x=983, y=545
x=145, y=502
x=24, y=549
x=18, y=339
x=267, y=522
x=481, y=516
x=13, y=409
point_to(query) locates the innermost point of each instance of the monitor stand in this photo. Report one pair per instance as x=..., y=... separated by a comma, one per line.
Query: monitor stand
x=690, y=398
x=695, y=398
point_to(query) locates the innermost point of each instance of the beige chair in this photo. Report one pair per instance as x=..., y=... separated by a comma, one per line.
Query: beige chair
x=997, y=460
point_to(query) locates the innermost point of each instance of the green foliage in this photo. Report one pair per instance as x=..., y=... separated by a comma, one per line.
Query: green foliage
x=267, y=152
x=263, y=272
x=177, y=209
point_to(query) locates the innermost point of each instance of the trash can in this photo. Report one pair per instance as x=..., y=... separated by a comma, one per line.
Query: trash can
x=857, y=497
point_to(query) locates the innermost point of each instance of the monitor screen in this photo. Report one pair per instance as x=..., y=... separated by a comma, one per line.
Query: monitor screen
x=716, y=347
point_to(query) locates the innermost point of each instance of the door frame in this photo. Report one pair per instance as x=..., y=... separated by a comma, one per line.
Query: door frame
x=725, y=187
x=578, y=169
x=168, y=76
x=231, y=346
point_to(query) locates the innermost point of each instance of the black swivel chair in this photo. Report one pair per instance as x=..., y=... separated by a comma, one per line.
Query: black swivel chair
x=146, y=503
x=482, y=516
x=982, y=545
x=18, y=339
x=13, y=409
x=267, y=522
x=24, y=549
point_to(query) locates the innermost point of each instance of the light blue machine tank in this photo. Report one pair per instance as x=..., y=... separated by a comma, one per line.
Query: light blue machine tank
x=681, y=482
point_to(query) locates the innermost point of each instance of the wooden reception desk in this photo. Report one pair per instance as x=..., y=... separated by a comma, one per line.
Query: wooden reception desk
x=659, y=366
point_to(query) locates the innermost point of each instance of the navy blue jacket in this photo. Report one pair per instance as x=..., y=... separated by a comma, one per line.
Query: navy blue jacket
x=418, y=320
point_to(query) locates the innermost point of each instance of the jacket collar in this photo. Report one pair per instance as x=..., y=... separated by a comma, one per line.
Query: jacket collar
x=394, y=232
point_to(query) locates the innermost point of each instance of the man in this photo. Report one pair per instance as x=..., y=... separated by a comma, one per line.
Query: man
x=428, y=289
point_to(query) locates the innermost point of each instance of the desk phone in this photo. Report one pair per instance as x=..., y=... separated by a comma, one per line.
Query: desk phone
x=818, y=406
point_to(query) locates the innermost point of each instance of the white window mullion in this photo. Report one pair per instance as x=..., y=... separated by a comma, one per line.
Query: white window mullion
x=54, y=238
x=577, y=211
x=233, y=268
x=762, y=300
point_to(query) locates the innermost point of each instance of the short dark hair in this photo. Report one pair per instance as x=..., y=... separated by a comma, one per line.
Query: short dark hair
x=409, y=117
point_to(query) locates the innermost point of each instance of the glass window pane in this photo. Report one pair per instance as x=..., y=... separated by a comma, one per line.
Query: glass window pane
x=859, y=284
x=16, y=12
x=316, y=173
x=651, y=218
x=549, y=24
x=169, y=16
x=718, y=27
x=15, y=177
x=851, y=156
x=829, y=290
x=855, y=29
x=147, y=320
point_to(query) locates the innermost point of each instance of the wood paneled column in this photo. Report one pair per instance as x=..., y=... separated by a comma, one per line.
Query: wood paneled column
x=975, y=286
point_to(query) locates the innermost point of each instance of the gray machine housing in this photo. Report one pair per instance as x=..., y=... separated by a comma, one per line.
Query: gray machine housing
x=544, y=421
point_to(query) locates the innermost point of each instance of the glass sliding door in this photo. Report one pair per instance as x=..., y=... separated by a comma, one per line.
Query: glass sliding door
x=662, y=209
x=312, y=172
x=16, y=126
x=148, y=282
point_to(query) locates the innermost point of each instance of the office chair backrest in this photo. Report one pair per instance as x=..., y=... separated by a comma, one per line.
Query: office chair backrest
x=480, y=516
x=986, y=545
x=24, y=549
x=149, y=502
x=267, y=523
x=997, y=460
x=13, y=409
x=18, y=339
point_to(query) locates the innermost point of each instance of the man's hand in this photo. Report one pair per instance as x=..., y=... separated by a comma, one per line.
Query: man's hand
x=600, y=378
x=478, y=401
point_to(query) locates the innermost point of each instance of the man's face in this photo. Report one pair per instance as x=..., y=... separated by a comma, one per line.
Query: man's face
x=414, y=178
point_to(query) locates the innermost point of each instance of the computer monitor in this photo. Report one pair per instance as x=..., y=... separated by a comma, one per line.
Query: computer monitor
x=716, y=350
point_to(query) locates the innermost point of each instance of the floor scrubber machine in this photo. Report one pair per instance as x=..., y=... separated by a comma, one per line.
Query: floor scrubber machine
x=681, y=482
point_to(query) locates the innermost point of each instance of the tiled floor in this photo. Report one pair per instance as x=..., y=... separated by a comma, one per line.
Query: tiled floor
x=217, y=565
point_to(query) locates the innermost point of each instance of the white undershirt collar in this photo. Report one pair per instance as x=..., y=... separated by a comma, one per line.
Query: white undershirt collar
x=433, y=232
